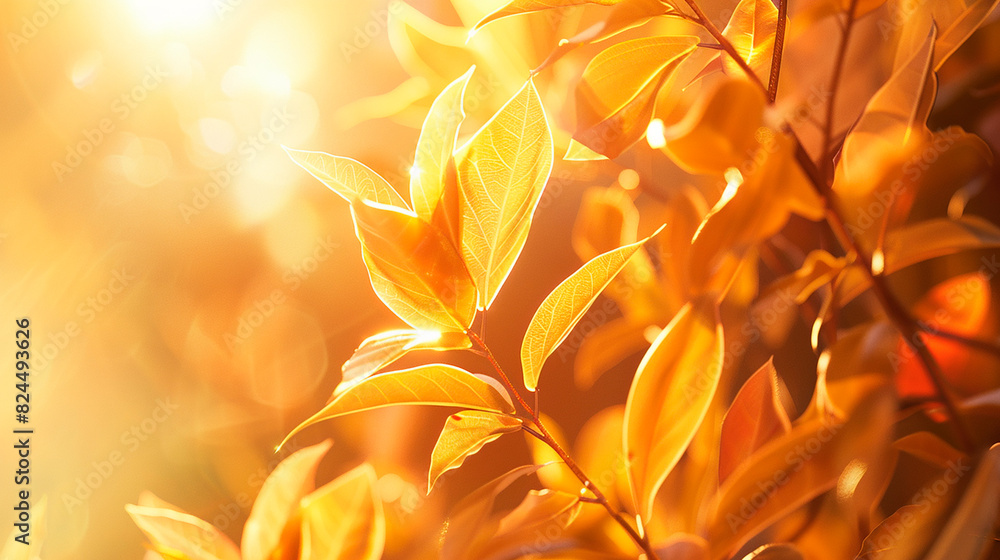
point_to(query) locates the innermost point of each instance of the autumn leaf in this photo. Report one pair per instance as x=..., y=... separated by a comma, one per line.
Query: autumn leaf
x=182, y=535
x=624, y=15
x=277, y=504
x=469, y=525
x=432, y=385
x=757, y=415
x=344, y=520
x=669, y=396
x=955, y=21
x=563, y=308
x=464, y=434
x=615, y=96
x=751, y=30
x=381, y=350
x=793, y=469
x=414, y=269
x=350, y=179
x=515, y=7
x=578, y=152
x=929, y=448
x=818, y=269
x=502, y=171
x=718, y=132
x=429, y=175
x=969, y=532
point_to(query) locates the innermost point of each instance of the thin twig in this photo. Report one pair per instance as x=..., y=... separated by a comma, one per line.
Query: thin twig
x=640, y=540
x=779, y=47
x=703, y=20
x=991, y=346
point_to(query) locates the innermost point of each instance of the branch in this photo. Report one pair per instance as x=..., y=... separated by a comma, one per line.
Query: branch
x=543, y=434
x=779, y=47
x=819, y=177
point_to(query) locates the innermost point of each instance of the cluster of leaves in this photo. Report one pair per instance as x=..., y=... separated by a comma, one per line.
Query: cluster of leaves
x=698, y=463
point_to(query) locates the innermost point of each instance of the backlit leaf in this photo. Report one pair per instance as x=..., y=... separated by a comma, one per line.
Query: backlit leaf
x=182, y=535
x=565, y=306
x=414, y=269
x=435, y=147
x=468, y=524
x=718, y=131
x=615, y=96
x=379, y=351
x=578, y=152
x=793, y=469
x=350, y=179
x=433, y=384
x=278, y=503
x=464, y=434
x=537, y=509
x=756, y=416
x=751, y=30
x=515, y=7
x=344, y=520
x=669, y=396
x=624, y=15
x=502, y=171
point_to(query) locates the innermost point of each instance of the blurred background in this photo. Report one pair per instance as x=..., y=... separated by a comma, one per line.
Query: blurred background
x=192, y=293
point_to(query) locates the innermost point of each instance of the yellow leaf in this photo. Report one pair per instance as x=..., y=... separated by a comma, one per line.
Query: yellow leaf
x=578, y=152
x=791, y=470
x=565, y=306
x=558, y=476
x=624, y=15
x=818, y=269
x=182, y=535
x=600, y=453
x=904, y=535
x=414, y=269
x=538, y=508
x=756, y=416
x=502, y=171
x=379, y=351
x=350, y=179
x=427, y=48
x=615, y=96
x=435, y=147
x=344, y=520
x=278, y=503
x=464, y=434
x=751, y=30
x=919, y=242
x=515, y=7
x=605, y=347
x=894, y=118
x=929, y=448
x=469, y=525
x=432, y=384
x=669, y=397
x=718, y=132
x=955, y=21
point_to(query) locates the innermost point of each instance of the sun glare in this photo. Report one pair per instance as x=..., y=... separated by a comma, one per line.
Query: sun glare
x=172, y=15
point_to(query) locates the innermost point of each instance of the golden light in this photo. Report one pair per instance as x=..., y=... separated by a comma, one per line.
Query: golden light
x=173, y=15
x=655, y=134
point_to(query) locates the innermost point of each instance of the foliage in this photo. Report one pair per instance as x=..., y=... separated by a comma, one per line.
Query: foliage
x=704, y=460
